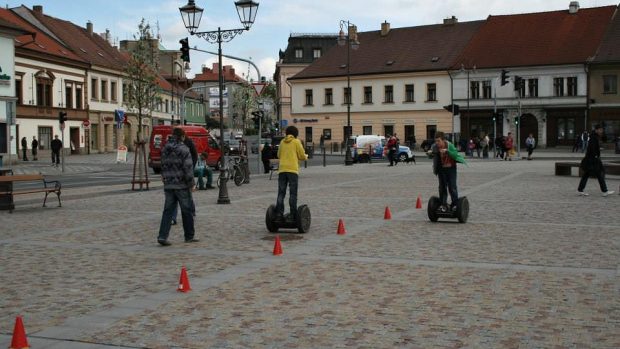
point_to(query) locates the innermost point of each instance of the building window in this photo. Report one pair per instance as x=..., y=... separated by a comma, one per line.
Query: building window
x=367, y=130
x=309, y=97
x=44, y=92
x=566, y=128
x=558, y=87
x=167, y=106
x=409, y=97
x=474, y=89
x=431, y=92
x=78, y=96
x=69, y=95
x=486, y=89
x=532, y=87
x=104, y=90
x=521, y=88
x=329, y=96
x=347, y=95
x=18, y=91
x=367, y=94
x=610, y=84
x=389, y=94
x=316, y=53
x=571, y=86
x=113, y=90
x=93, y=89
x=299, y=53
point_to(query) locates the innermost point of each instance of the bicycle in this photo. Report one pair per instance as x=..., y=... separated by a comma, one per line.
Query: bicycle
x=233, y=171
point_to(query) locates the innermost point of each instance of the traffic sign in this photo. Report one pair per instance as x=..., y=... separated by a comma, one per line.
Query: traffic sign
x=259, y=87
x=86, y=123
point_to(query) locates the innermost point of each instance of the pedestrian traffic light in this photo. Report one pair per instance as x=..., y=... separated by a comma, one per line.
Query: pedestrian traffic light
x=62, y=117
x=184, y=49
x=516, y=120
x=504, y=77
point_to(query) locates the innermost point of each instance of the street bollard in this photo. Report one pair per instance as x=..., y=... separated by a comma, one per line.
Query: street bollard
x=324, y=161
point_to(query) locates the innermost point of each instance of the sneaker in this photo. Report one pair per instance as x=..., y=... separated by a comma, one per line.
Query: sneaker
x=192, y=240
x=164, y=242
x=582, y=193
x=609, y=192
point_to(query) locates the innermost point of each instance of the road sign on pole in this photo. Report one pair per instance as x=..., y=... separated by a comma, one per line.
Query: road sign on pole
x=259, y=87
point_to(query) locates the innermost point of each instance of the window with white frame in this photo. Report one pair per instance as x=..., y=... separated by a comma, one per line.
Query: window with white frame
x=486, y=89
x=329, y=96
x=610, y=84
x=367, y=94
x=532, y=87
x=558, y=87
x=409, y=93
x=316, y=53
x=309, y=97
x=571, y=86
x=431, y=92
x=299, y=53
x=474, y=89
x=389, y=94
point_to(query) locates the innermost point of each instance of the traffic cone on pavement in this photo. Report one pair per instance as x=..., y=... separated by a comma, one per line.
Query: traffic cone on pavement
x=184, y=281
x=341, y=230
x=277, y=247
x=418, y=203
x=387, y=214
x=19, y=340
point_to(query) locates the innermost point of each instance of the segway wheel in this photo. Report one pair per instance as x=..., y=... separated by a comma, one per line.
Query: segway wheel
x=432, y=207
x=462, y=212
x=304, y=217
x=270, y=218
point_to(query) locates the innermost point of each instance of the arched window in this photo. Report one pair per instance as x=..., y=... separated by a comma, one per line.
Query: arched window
x=45, y=83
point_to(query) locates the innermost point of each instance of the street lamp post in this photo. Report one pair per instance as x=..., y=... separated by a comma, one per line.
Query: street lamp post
x=350, y=39
x=191, y=15
x=467, y=87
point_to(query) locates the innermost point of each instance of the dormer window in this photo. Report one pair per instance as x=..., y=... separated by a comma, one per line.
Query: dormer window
x=316, y=53
x=299, y=53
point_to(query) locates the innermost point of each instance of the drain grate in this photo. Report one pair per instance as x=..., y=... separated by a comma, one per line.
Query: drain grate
x=285, y=237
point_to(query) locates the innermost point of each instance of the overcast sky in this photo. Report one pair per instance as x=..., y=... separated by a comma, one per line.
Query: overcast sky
x=277, y=19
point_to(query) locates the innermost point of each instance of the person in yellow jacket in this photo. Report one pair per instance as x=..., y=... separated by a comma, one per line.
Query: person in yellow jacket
x=290, y=153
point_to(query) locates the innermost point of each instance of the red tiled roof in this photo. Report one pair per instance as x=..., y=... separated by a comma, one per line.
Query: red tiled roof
x=42, y=43
x=212, y=75
x=609, y=51
x=545, y=38
x=8, y=25
x=90, y=47
x=401, y=50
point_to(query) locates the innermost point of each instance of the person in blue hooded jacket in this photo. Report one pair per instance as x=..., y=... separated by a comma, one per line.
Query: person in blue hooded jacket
x=445, y=157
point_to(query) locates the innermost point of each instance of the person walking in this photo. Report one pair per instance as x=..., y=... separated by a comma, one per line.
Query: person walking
x=56, y=146
x=290, y=153
x=189, y=143
x=592, y=164
x=35, y=148
x=391, y=145
x=266, y=154
x=484, y=144
x=24, y=149
x=509, y=145
x=177, y=175
x=530, y=143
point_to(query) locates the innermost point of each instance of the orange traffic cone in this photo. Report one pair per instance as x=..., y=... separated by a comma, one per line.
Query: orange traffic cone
x=341, y=230
x=184, y=281
x=277, y=247
x=19, y=336
x=418, y=203
x=387, y=214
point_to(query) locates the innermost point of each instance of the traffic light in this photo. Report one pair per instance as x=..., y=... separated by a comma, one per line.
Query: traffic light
x=516, y=120
x=504, y=77
x=519, y=82
x=184, y=49
x=256, y=117
x=62, y=117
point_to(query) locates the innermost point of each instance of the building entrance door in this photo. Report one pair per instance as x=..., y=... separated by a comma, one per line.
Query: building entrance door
x=410, y=135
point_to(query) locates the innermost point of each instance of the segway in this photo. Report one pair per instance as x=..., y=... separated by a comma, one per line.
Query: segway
x=435, y=210
x=302, y=224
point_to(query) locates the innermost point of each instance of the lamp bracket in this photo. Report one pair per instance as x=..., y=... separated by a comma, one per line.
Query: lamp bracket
x=216, y=36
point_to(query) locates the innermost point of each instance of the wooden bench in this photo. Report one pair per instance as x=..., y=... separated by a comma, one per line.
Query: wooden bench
x=565, y=168
x=274, y=164
x=7, y=191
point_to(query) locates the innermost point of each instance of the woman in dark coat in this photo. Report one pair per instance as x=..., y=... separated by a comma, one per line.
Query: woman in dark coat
x=592, y=164
x=266, y=155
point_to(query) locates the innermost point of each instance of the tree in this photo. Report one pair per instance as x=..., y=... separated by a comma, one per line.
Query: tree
x=244, y=101
x=141, y=75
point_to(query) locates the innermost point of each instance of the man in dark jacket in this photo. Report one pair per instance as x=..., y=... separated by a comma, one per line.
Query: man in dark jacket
x=35, y=148
x=592, y=164
x=177, y=173
x=56, y=145
x=24, y=149
x=266, y=155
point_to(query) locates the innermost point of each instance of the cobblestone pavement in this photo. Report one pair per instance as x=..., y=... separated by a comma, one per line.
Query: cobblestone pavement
x=536, y=266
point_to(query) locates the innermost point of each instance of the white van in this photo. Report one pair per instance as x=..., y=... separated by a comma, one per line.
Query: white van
x=368, y=147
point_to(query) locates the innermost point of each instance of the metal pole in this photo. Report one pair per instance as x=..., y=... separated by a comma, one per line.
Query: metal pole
x=519, y=128
x=494, y=121
x=348, y=160
x=62, y=149
x=223, y=194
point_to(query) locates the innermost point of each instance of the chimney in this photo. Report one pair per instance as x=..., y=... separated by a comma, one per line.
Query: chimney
x=38, y=9
x=216, y=67
x=450, y=21
x=385, y=28
x=89, y=27
x=573, y=7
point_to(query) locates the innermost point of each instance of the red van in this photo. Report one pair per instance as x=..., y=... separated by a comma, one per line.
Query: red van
x=203, y=140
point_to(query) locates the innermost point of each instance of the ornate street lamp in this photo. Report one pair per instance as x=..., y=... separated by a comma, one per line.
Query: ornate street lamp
x=192, y=15
x=349, y=39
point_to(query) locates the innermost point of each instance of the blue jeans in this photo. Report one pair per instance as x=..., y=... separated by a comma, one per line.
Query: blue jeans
x=290, y=179
x=174, y=198
x=201, y=173
x=447, y=182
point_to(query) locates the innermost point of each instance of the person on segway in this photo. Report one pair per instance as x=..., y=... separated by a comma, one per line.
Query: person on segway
x=290, y=153
x=445, y=157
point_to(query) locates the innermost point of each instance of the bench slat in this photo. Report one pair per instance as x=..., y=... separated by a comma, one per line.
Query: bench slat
x=21, y=178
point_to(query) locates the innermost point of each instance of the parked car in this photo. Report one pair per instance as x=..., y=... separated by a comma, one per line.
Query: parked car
x=369, y=147
x=203, y=141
